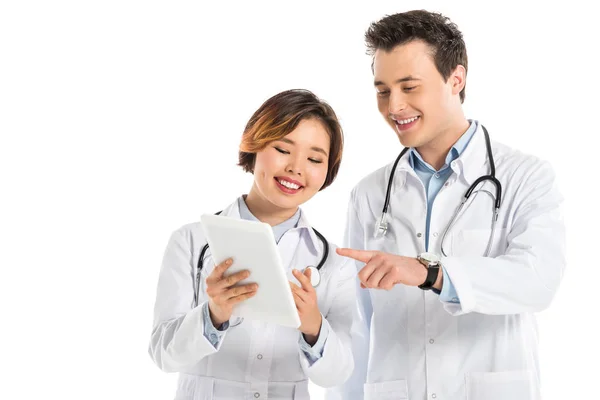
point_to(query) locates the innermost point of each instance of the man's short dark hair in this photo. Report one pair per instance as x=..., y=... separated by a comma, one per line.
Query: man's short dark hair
x=441, y=34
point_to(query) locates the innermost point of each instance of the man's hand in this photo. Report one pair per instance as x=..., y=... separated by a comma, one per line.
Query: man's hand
x=384, y=270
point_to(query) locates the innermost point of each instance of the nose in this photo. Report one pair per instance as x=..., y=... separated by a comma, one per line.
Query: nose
x=294, y=166
x=397, y=103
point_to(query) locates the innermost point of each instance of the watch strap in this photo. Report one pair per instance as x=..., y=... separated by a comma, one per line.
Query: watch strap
x=432, y=275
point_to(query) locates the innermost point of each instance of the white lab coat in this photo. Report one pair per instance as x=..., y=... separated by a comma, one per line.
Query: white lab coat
x=253, y=359
x=484, y=348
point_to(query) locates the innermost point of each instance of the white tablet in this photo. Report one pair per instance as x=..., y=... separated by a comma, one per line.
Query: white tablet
x=252, y=246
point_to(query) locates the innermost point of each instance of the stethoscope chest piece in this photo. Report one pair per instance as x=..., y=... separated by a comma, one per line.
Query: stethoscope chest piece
x=315, y=276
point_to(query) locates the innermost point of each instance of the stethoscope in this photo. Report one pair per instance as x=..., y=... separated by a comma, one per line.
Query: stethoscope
x=315, y=274
x=381, y=226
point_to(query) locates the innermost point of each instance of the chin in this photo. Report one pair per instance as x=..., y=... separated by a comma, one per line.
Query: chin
x=283, y=201
x=409, y=139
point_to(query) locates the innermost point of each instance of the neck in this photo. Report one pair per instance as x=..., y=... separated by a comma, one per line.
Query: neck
x=434, y=153
x=265, y=211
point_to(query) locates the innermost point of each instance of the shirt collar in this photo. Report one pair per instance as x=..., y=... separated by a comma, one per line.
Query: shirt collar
x=456, y=150
x=471, y=151
x=246, y=214
x=473, y=162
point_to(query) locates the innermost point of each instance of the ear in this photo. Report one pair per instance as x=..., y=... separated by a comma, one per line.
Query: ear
x=458, y=79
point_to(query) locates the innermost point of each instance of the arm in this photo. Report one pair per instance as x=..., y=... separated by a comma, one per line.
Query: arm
x=362, y=310
x=526, y=277
x=211, y=333
x=336, y=362
x=177, y=341
x=314, y=350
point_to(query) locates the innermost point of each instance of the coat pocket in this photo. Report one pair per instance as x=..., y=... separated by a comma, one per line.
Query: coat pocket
x=513, y=385
x=390, y=390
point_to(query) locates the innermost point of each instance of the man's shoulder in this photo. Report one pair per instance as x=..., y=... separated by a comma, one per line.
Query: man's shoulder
x=373, y=181
x=513, y=160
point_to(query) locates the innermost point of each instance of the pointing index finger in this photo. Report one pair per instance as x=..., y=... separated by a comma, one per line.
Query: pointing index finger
x=359, y=255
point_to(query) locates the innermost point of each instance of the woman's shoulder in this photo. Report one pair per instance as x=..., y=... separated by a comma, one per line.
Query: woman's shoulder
x=192, y=231
x=189, y=234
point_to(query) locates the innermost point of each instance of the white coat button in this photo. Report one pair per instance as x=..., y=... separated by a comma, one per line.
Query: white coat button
x=446, y=184
x=419, y=234
x=435, y=234
x=257, y=395
x=434, y=395
x=259, y=356
x=431, y=341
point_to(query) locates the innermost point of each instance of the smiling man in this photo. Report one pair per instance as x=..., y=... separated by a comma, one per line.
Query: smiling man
x=457, y=243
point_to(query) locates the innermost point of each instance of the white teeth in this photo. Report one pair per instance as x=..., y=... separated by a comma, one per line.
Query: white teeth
x=288, y=185
x=406, y=121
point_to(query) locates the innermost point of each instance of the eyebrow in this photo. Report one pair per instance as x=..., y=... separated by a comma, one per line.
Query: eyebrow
x=314, y=148
x=405, y=79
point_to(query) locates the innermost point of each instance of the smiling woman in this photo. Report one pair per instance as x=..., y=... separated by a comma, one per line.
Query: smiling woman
x=280, y=115
x=293, y=146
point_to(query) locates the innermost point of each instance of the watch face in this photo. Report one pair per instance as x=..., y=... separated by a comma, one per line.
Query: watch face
x=430, y=257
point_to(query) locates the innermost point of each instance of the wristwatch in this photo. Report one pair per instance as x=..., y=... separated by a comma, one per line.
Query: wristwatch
x=432, y=263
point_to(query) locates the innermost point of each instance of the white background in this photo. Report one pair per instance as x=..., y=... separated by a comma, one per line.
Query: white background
x=120, y=122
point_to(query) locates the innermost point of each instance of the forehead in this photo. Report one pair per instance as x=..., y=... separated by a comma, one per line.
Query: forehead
x=309, y=129
x=414, y=58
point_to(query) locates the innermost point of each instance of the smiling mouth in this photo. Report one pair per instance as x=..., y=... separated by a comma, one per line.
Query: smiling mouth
x=404, y=124
x=406, y=121
x=287, y=186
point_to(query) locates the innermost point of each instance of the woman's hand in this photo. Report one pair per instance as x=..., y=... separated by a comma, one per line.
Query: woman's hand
x=308, y=309
x=223, y=296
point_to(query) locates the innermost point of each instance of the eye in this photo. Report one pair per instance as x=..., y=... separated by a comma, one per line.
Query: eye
x=383, y=93
x=282, y=151
x=409, y=89
x=315, y=161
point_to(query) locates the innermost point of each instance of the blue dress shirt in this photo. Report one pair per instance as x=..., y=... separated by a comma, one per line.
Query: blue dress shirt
x=433, y=181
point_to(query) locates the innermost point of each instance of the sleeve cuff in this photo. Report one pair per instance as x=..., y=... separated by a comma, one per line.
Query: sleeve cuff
x=448, y=293
x=212, y=334
x=314, y=353
x=462, y=284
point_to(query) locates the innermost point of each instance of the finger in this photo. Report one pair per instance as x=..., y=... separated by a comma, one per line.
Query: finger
x=387, y=282
x=365, y=273
x=239, y=290
x=240, y=298
x=359, y=255
x=298, y=291
x=362, y=285
x=232, y=279
x=219, y=270
x=304, y=279
x=308, y=273
x=377, y=275
x=299, y=302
